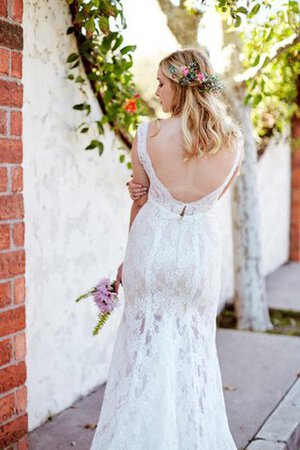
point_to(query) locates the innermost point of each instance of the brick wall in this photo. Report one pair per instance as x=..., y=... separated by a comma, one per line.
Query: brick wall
x=295, y=188
x=13, y=395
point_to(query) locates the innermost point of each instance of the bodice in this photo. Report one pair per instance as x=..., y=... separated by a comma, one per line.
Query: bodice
x=159, y=193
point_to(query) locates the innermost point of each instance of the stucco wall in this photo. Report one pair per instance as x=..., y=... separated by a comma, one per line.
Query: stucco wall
x=76, y=221
x=77, y=212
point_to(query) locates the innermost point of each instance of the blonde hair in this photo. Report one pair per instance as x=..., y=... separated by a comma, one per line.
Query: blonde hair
x=206, y=125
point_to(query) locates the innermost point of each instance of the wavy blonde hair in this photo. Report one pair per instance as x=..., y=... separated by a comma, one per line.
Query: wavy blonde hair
x=206, y=125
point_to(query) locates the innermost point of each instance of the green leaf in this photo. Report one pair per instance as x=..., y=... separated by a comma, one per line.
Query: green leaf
x=104, y=24
x=72, y=57
x=122, y=158
x=70, y=30
x=80, y=107
x=256, y=61
x=71, y=76
x=129, y=165
x=257, y=99
x=100, y=127
x=79, y=17
x=75, y=65
x=127, y=48
x=100, y=148
x=90, y=25
x=93, y=144
x=118, y=42
x=266, y=61
x=84, y=130
x=254, y=10
x=79, y=79
x=242, y=10
x=238, y=21
x=247, y=98
x=101, y=321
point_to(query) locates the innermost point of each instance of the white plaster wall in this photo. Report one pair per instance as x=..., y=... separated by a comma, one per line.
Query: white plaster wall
x=274, y=211
x=77, y=212
x=274, y=192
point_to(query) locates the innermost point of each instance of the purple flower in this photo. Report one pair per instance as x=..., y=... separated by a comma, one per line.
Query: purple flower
x=104, y=296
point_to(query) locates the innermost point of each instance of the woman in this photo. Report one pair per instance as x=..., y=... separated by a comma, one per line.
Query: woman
x=164, y=388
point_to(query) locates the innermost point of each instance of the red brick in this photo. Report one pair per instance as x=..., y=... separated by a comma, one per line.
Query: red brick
x=12, y=263
x=3, y=179
x=10, y=151
x=17, y=10
x=12, y=321
x=19, y=290
x=13, y=431
x=20, y=346
x=5, y=294
x=17, y=179
x=11, y=35
x=21, y=400
x=12, y=377
x=23, y=444
x=295, y=255
x=18, y=234
x=3, y=122
x=3, y=8
x=4, y=61
x=16, y=123
x=11, y=93
x=4, y=237
x=7, y=407
x=5, y=353
x=11, y=207
x=16, y=64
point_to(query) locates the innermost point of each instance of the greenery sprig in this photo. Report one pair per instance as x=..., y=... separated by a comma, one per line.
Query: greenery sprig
x=98, y=26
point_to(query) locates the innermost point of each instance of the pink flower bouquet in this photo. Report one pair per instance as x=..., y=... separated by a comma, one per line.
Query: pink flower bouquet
x=105, y=298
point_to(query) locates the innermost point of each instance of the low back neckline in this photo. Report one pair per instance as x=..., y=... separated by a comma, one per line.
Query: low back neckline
x=162, y=185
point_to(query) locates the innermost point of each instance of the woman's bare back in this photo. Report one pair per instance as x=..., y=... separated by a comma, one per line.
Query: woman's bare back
x=187, y=181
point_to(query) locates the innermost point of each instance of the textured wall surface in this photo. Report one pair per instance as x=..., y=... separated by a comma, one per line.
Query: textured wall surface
x=275, y=192
x=77, y=212
x=76, y=221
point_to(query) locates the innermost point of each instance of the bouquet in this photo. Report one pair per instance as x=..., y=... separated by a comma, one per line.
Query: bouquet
x=105, y=298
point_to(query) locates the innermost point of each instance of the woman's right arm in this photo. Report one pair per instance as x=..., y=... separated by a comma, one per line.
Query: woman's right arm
x=141, y=178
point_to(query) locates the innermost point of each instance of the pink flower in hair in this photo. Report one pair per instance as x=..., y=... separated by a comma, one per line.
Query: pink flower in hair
x=200, y=76
x=185, y=71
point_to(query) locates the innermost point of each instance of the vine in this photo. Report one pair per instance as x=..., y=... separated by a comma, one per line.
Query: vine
x=97, y=25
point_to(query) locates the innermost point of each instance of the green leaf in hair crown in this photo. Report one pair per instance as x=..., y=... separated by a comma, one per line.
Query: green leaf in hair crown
x=188, y=75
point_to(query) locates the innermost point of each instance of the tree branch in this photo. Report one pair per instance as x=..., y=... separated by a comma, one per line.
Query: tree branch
x=182, y=23
x=278, y=49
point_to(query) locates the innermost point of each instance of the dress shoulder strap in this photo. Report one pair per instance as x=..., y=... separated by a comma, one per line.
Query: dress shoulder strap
x=239, y=145
x=141, y=143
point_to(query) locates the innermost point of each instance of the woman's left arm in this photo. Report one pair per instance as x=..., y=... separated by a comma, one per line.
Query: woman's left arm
x=139, y=177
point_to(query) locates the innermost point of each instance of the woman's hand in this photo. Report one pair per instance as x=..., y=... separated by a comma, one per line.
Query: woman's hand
x=118, y=278
x=136, y=190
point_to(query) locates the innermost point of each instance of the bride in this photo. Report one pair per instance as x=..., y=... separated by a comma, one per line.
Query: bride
x=164, y=387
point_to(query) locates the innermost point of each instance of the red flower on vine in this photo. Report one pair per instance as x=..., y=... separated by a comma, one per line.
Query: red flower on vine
x=130, y=105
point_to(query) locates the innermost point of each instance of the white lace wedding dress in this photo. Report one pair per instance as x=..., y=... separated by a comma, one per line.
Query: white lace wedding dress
x=164, y=388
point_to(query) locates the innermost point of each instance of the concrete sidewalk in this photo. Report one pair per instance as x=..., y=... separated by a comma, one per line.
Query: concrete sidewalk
x=260, y=380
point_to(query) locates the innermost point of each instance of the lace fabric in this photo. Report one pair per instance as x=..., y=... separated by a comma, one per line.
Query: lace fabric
x=164, y=387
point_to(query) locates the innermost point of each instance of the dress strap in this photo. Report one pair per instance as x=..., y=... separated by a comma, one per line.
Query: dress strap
x=239, y=153
x=141, y=144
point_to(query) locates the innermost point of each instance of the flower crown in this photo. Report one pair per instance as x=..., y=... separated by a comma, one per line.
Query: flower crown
x=192, y=73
